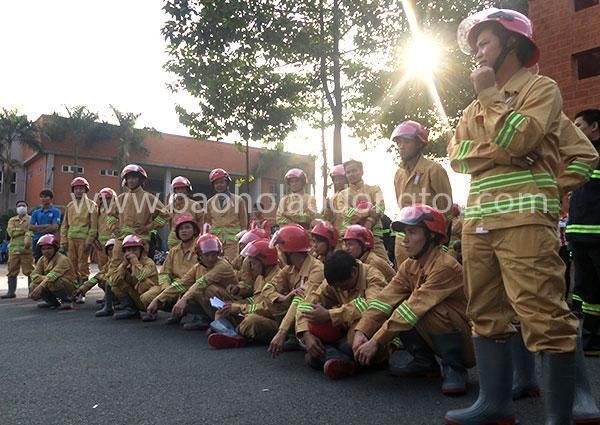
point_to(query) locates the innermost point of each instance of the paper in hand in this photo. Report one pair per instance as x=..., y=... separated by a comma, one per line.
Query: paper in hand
x=216, y=302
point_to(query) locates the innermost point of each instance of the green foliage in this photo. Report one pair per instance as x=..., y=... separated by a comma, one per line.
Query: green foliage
x=129, y=138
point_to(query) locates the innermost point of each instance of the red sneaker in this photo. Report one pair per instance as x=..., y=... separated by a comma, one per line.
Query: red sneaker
x=220, y=341
x=338, y=368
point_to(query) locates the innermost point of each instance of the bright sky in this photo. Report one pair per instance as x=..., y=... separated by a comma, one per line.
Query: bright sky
x=96, y=53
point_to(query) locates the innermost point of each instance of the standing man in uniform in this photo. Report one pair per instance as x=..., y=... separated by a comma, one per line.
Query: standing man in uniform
x=418, y=179
x=45, y=219
x=182, y=204
x=19, y=251
x=583, y=231
x=297, y=206
x=508, y=141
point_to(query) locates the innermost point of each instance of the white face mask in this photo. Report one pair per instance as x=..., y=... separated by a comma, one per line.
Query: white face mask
x=21, y=210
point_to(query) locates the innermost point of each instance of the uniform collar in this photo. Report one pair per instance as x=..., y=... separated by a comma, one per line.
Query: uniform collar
x=516, y=83
x=307, y=265
x=417, y=166
x=358, y=185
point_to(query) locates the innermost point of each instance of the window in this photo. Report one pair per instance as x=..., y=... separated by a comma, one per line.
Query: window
x=587, y=63
x=584, y=4
x=13, y=183
x=72, y=169
x=111, y=173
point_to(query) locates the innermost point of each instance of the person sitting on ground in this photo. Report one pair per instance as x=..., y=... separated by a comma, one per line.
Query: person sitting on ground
x=325, y=238
x=358, y=241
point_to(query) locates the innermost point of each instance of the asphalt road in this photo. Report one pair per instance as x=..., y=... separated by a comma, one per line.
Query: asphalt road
x=72, y=368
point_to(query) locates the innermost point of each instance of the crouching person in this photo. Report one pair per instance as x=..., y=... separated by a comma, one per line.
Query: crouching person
x=180, y=259
x=325, y=322
x=135, y=276
x=259, y=323
x=424, y=304
x=102, y=279
x=53, y=279
x=209, y=277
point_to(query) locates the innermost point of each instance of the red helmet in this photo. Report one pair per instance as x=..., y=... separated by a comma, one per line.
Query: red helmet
x=253, y=235
x=326, y=230
x=295, y=173
x=424, y=215
x=411, y=129
x=208, y=243
x=108, y=244
x=107, y=193
x=455, y=212
x=291, y=238
x=132, y=240
x=511, y=20
x=186, y=219
x=338, y=170
x=262, y=251
x=133, y=168
x=181, y=181
x=48, y=239
x=326, y=332
x=361, y=234
x=80, y=181
x=218, y=173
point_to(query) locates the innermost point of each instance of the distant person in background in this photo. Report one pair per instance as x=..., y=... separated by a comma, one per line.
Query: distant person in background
x=258, y=220
x=3, y=251
x=44, y=220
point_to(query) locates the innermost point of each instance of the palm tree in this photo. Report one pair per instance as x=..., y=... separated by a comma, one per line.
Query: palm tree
x=14, y=128
x=129, y=138
x=81, y=126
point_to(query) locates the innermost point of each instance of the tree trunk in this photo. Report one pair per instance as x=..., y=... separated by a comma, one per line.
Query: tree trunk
x=337, y=86
x=323, y=147
x=248, y=169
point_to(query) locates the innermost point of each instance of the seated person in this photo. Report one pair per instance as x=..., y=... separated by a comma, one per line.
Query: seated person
x=240, y=263
x=424, y=304
x=53, y=279
x=325, y=238
x=325, y=322
x=358, y=241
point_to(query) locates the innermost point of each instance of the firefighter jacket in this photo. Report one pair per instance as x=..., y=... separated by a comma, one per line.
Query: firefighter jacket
x=347, y=200
x=345, y=306
x=101, y=278
x=134, y=209
x=256, y=303
x=80, y=221
x=17, y=229
x=380, y=264
x=106, y=226
x=411, y=294
x=227, y=214
x=47, y=272
x=199, y=278
x=178, y=262
x=183, y=205
x=299, y=208
x=140, y=274
x=501, y=124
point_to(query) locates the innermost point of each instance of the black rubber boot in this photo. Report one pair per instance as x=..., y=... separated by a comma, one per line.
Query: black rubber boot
x=50, y=301
x=107, y=309
x=585, y=410
x=590, y=337
x=450, y=349
x=423, y=364
x=558, y=388
x=65, y=300
x=129, y=310
x=494, y=404
x=525, y=383
x=12, y=288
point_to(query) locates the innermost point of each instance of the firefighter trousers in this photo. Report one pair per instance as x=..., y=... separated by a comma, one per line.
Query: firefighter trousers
x=79, y=256
x=18, y=262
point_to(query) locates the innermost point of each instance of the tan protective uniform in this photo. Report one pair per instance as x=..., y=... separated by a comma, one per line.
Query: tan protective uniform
x=54, y=275
x=426, y=183
x=183, y=205
x=380, y=264
x=19, y=250
x=228, y=215
x=299, y=208
x=78, y=231
x=134, y=280
x=105, y=224
x=430, y=298
x=510, y=248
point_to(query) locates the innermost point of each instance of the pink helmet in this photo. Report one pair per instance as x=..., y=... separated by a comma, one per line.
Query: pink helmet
x=411, y=129
x=80, y=181
x=218, y=173
x=511, y=20
x=208, y=243
x=338, y=170
x=262, y=251
x=109, y=243
x=133, y=168
x=295, y=173
x=181, y=181
x=253, y=235
x=361, y=234
x=108, y=193
x=48, y=240
x=132, y=240
x=326, y=230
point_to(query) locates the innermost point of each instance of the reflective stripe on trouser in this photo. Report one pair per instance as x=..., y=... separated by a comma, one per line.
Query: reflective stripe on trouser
x=78, y=256
x=379, y=249
x=18, y=262
x=586, y=258
x=399, y=252
x=203, y=298
x=518, y=270
x=258, y=328
x=230, y=249
x=57, y=285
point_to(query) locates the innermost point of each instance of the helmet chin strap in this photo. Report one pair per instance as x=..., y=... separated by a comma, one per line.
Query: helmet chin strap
x=426, y=245
x=502, y=56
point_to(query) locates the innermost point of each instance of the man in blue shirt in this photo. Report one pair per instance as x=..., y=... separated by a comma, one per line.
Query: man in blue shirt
x=44, y=220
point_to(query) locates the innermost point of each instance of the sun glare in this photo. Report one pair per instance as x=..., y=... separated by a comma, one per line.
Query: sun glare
x=422, y=56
